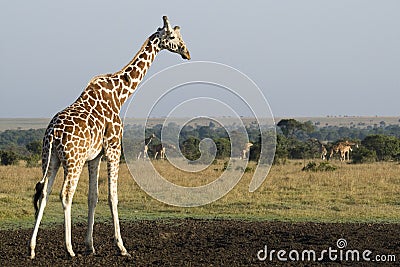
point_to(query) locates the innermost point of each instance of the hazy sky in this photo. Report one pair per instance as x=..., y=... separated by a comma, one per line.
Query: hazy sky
x=310, y=58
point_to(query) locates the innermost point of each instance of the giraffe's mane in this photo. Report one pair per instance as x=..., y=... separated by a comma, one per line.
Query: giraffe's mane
x=99, y=76
x=135, y=57
x=120, y=71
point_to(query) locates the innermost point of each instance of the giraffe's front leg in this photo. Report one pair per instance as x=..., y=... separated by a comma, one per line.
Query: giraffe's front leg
x=113, y=157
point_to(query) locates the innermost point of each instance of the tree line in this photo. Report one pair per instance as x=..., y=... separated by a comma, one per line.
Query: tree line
x=294, y=141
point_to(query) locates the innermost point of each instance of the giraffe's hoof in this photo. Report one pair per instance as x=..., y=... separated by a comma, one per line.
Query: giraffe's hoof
x=90, y=252
x=125, y=254
x=71, y=254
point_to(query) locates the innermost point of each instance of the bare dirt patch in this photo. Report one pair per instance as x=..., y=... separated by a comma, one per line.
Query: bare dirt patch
x=190, y=242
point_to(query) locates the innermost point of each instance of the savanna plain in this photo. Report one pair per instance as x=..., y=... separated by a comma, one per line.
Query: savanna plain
x=292, y=209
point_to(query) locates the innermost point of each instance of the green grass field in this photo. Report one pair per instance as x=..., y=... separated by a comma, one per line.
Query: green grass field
x=352, y=193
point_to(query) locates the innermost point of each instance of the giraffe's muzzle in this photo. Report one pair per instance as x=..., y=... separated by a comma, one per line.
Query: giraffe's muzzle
x=186, y=55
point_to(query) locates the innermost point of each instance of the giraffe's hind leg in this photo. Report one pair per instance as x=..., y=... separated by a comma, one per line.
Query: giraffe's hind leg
x=48, y=181
x=162, y=153
x=94, y=168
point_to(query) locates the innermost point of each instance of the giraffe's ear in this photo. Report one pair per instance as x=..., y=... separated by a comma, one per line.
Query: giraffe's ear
x=177, y=30
x=167, y=25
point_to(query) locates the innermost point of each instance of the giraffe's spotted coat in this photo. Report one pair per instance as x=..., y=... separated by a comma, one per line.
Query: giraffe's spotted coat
x=91, y=127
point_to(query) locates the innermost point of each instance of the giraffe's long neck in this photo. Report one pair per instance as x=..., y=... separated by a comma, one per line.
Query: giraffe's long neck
x=132, y=74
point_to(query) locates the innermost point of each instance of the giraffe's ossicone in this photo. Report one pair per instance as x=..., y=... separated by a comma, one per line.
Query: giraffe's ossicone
x=90, y=128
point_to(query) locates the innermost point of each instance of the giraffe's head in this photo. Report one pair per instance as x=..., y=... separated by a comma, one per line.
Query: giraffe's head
x=171, y=39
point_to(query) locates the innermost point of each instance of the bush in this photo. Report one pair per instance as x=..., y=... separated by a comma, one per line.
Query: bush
x=190, y=148
x=35, y=147
x=33, y=161
x=363, y=155
x=311, y=166
x=199, y=152
x=223, y=148
x=323, y=166
x=8, y=158
x=255, y=151
x=386, y=147
x=281, y=151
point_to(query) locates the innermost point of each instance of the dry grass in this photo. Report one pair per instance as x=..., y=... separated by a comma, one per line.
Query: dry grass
x=367, y=192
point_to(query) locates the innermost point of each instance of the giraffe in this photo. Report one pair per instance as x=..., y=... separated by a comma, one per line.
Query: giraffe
x=145, y=146
x=347, y=148
x=160, y=150
x=92, y=127
x=343, y=148
x=244, y=154
x=338, y=148
x=323, y=152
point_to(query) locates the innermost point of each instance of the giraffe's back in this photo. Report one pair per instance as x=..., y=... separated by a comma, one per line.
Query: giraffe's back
x=76, y=135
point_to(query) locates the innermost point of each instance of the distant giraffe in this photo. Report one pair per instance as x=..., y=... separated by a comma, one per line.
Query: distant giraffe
x=145, y=146
x=347, y=148
x=160, y=150
x=91, y=127
x=334, y=150
x=323, y=152
x=340, y=148
x=245, y=153
x=343, y=148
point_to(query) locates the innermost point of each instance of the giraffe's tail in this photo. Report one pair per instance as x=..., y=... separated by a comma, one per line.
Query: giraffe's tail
x=40, y=185
x=38, y=193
